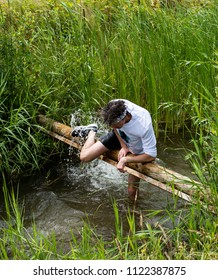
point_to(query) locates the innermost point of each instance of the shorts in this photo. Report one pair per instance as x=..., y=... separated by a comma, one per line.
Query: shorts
x=110, y=141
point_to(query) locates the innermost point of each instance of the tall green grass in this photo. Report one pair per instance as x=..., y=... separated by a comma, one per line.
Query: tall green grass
x=204, y=157
x=58, y=56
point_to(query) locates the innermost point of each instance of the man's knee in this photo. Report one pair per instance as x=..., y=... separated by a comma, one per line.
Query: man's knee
x=88, y=154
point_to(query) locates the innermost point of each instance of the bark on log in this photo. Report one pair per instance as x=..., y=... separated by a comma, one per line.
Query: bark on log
x=152, y=170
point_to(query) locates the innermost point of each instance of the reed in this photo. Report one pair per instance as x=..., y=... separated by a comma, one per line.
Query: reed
x=56, y=56
x=204, y=157
x=148, y=56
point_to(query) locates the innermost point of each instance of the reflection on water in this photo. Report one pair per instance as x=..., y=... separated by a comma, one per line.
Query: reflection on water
x=68, y=192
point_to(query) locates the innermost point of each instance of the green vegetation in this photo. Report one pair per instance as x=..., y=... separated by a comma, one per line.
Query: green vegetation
x=194, y=237
x=58, y=56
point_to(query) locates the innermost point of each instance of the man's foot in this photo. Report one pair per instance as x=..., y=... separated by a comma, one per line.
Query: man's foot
x=83, y=131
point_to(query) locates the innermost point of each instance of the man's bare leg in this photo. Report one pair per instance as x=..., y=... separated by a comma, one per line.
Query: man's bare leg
x=133, y=186
x=92, y=149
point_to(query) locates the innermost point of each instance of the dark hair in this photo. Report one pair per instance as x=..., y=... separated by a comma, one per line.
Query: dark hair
x=112, y=111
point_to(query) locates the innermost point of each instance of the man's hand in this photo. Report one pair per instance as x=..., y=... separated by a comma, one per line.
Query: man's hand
x=133, y=158
x=123, y=152
x=121, y=164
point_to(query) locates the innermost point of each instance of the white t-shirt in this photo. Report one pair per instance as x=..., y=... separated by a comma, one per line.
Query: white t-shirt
x=138, y=133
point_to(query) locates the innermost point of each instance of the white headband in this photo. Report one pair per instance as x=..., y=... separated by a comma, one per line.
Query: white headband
x=120, y=117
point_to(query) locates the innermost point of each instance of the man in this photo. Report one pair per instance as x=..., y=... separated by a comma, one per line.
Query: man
x=132, y=135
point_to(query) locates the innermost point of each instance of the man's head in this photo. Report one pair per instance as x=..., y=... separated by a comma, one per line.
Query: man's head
x=114, y=113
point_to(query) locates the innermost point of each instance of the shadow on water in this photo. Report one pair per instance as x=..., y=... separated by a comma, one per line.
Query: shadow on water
x=60, y=199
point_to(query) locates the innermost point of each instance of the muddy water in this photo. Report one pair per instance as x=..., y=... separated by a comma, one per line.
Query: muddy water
x=68, y=192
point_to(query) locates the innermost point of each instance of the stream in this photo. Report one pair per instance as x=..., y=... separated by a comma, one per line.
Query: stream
x=66, y=193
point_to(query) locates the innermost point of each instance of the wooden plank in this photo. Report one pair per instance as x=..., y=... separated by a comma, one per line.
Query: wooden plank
x=150, y=172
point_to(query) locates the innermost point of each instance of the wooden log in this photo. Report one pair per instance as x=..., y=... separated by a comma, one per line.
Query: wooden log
x=153, y=172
